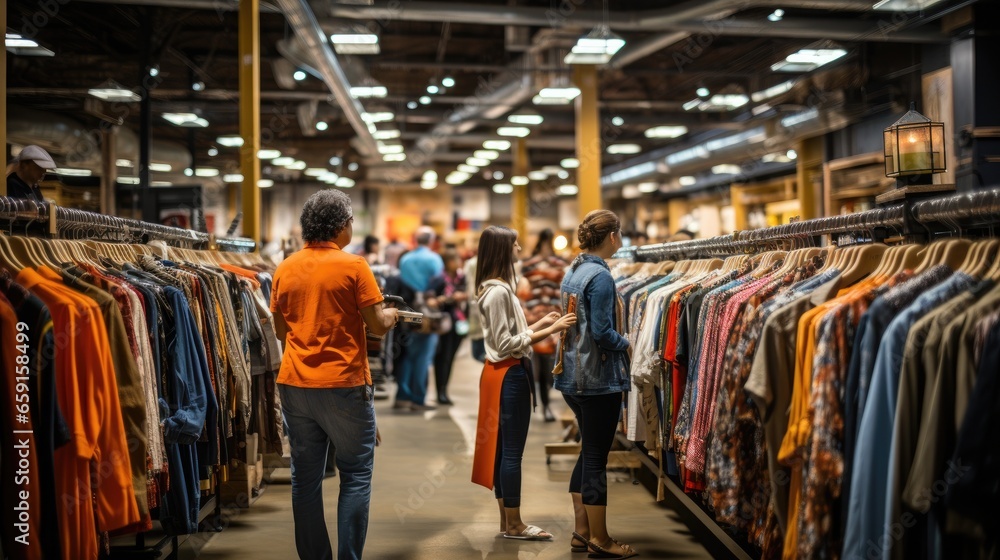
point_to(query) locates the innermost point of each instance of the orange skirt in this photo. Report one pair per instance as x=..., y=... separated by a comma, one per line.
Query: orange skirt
x=488, y=424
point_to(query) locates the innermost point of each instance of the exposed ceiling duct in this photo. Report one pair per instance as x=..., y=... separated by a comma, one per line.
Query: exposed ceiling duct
x=689, y=16
x=302, y=20
x=74, y=145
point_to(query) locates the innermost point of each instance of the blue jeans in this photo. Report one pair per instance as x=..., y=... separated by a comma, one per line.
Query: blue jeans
x=412, y=376
x=479, y=350
x=315, y=418
x=515, y=415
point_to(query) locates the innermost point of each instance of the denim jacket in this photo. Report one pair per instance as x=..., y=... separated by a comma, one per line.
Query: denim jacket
x=593, y=357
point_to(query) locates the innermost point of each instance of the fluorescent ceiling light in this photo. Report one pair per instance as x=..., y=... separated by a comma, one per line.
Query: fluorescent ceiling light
x=725, y=169
x=233, y=178
x=466, y=168
x=477, y=162
x=316, y=172
x=772, y=91
x=497, y=175
x=411, y=105
x=213, y=151
x=904, y=5
x=666, y=131
x=230, y=141
x=617, y=121
x=806, y=60
x=188, y=172
x=799, y=118
x=390, y=149
x=72, y=172
x=776, y=15
x=777, y=157
x=265, y=183
x=394, y=157
x=693, y=104
x=429, y=175
x=648, y=187
x=630, y=173
x=518, y=131
x=19, y=45
x=525, y=117
x=386, y=134
x=299, y=75
x=377, y=117
x=486, y=154
x=336, y=160
x=160, y=184
x=283, y=161
x=297, y=165
x=345, y=182
x=329, y=177
x=123, y=163
x=703, y=92
x=568, y=190
x=563, y=174
x=538, y=175
x=428, y=185
x=321, y=126
x=569, y=163
x=596, y=47
x=792, y=154
x=128, y=180
x=687, y=180
x=518, y=180
x=355, y=43
x=361, y=92
x=503, y=188
x=626, y=149
x=457, y=177
x=114, y=92
x=556, y=95
x=160, y=167
x=206, y=172
x=353, y=166
x=186, y=119
x=425, y=100
x=497, y=145
x=551, y=169
x=268, y=154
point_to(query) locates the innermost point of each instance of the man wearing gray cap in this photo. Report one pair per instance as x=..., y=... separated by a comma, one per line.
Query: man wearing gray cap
x=29, y=168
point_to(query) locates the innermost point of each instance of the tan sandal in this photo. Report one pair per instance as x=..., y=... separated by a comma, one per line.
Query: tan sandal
x=599, y=552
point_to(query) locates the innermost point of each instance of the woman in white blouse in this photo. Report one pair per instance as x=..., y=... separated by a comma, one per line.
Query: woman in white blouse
x=506, y=386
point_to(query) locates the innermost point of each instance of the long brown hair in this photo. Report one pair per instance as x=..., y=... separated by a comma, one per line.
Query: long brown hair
x=596, y=227
x=496, y=255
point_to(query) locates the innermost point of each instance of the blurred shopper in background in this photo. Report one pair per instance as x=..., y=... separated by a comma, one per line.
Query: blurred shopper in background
x=448, y=293
x=538, y=291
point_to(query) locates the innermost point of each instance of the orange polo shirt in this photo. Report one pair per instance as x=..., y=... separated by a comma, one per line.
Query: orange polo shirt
x=320, y=292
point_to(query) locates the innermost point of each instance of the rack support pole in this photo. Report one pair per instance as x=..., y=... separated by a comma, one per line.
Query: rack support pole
x=3, y=98
x=249, y=40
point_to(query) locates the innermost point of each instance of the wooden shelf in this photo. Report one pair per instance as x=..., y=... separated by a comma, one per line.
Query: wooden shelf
x=856, y=177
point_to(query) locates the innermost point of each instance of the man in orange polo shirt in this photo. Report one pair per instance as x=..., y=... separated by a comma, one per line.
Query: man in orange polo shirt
x=322, y=299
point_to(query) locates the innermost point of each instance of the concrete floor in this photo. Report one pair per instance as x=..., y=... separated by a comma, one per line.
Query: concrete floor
x=424, y=506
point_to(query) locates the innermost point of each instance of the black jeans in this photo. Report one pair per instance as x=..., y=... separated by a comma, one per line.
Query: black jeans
x=543, y=364
x=598, y=417
x=444, y=358
x=515, y=415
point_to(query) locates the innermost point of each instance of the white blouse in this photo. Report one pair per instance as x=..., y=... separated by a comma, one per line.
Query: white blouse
x=505, y=328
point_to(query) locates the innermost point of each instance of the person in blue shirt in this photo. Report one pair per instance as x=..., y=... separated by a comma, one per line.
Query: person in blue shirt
x=416, y=269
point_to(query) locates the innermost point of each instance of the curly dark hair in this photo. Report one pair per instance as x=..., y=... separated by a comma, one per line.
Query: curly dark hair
x=325, y=215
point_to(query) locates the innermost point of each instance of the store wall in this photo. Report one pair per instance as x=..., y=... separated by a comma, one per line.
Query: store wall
x=281, y=207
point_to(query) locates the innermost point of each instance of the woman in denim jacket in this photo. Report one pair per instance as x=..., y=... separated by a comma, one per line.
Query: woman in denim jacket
x=593, y=376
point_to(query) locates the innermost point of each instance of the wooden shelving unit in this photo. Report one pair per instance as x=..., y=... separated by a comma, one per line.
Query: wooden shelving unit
x=854, y=180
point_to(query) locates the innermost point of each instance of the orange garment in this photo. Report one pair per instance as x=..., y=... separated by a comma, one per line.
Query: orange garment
x=320, y=292
x=88, y=398
x=799, y=419
x=242, y=272
x=488, y=424
x=22, y=517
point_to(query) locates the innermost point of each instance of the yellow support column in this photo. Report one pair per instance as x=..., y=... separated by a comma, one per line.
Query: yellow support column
x=588, y=139
x=519, y=212
x=249, y=39
x=3, y=97
x=809, y=165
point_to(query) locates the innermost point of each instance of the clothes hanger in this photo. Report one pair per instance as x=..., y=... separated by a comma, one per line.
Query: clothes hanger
x=7, y=257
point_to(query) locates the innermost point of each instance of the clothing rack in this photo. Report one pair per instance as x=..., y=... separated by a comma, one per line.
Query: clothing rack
x=68, y=223
x=941, y=215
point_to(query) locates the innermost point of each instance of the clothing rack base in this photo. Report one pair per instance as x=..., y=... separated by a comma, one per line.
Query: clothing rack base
x=713, y=537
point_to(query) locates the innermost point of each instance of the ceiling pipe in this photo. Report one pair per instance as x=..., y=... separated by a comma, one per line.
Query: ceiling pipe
x=689, y=16
x=302, y=20
x=230, y=95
